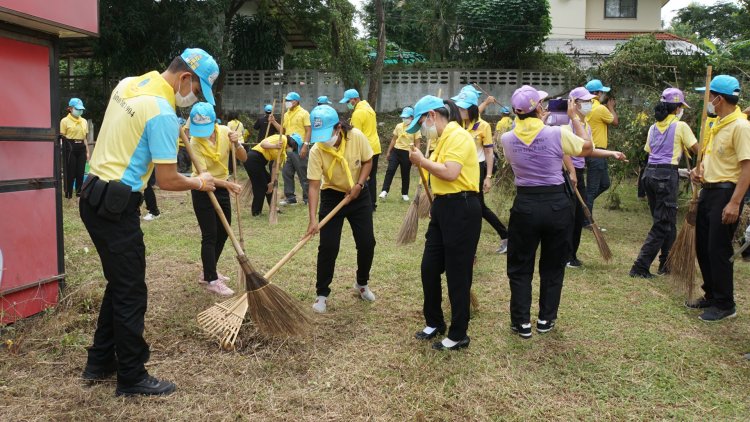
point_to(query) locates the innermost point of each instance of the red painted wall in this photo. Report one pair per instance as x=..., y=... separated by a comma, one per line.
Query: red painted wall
x=25, y=72
x=81, y=14
x=26, y=160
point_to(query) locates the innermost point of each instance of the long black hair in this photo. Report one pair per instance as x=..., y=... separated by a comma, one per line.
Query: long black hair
x=662, y=110
x=450, y=111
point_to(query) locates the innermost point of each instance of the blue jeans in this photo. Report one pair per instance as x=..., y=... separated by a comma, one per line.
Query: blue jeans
x=597, y=180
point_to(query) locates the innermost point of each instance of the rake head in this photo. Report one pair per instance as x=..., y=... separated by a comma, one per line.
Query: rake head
x=224, y=320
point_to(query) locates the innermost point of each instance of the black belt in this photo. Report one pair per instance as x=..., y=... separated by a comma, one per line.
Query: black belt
x=541, y=189
x=720, y=185
x=75, y=141
x=662, y=166
x=457, y=195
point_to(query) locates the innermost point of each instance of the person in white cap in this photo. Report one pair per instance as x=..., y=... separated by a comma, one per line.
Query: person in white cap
x=73, y=130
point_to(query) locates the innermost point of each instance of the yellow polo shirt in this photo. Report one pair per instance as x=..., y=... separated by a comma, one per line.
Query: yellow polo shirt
x=730, y=145
x=504, y=125
x=457, y=145
x=139, y=129
x=272, y=154
x=356, y=151
x=213, y=157
x=482, y=133
x=683, y=137
x=295, y=121
x=404, y=141
x=364, y=119
x=599, y=119
x=74, y=128
x=237, y=126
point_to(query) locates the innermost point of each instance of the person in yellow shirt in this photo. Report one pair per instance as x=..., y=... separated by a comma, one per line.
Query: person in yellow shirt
x=600, y=118
x=269, y=149
x=212, y=144
x=666, y=141
x=364, y=119
x=295, y=120
x=73, y=130
x=235, y=125
x=340, y=162
x=725, y=175
x=482, y=132
x=453, y=233
x=398, y=154
x=504, y=124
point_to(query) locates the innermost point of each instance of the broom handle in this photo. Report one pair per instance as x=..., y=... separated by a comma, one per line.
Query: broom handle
x=704, y=115
x=237, y=197
x=307, y=238
x=268, y=126
x=275, y=174
x=586, y=211
x=217, y=207
x=423, y=177
x=484, y=92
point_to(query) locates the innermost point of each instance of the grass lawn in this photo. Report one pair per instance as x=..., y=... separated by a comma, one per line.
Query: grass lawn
x=622, y=349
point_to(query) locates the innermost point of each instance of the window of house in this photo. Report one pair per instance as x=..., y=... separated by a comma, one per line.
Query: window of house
x=620, y=8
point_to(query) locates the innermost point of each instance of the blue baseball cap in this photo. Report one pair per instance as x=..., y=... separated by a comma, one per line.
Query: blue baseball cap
x=596, y=85
x=723, y=84
x=427, y=103
x=296, y=137
x=76, y=103
x=348, y=95
x=202, y=120
x=268, y=108
x=292, y=96
x=505, y=110
x=407, y=112
x=323, y=118
x=323, y=100
x=205, y=67
x=466, y=99
x=470, y=88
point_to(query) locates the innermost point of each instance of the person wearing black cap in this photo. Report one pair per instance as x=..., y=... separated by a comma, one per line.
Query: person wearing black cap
x=453, y=233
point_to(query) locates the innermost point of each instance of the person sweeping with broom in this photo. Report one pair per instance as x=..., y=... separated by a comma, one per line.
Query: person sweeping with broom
x=138, y=133
x=212, y=144
x=725, y=176
x=453, y=232
x=339, y=164
x=666, y=141
x=398, y=154
x=270, y=149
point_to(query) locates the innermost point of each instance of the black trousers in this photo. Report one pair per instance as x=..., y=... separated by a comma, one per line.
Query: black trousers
x=597, y=173
x=213, y=235
x=713, y=244
x=487, y=213
x=398, y=158
x=359, y=215
x=372, y=182
x=661, y=186
x=75, y=164
x=450, y=245
x=183, y=161
x=579, y=216
x=256, y=166
x=545, y=218
x=119, y=330
x=149, y=197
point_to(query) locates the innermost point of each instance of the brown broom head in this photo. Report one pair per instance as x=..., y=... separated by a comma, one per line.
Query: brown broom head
x=474, y=301
x=273, y=215
x=247, y=191
x=692, y=212
x=274, y=312
x=601, y=243
x=424, y=205
x=408, y=231
x=681, y=262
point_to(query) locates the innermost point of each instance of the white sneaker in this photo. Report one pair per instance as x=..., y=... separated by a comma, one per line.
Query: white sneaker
x=150, y=217
x=222, y=277
x=405, y=197
x=320, y=304
x=383, y=194
x=364, y=292
x=217, y=286
x=503, y=247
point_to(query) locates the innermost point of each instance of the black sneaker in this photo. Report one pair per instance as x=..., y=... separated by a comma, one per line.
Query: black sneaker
x=523, y=330
x=421, y=335
x=663, y=269
x=640, y=274
x=702, y=303
x=544, y=326
x=462, y=344
x=149, y=386
x=574, y=263
x=714, y=314
x=94, y=373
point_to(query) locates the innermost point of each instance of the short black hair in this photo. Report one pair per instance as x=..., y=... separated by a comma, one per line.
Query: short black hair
x=662, y=110
x=178, y=65
x=523, y=116
x=731, y=99
x=231, y=115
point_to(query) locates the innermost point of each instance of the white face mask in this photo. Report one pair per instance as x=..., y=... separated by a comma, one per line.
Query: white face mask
x=680, y=113
x=602, y=97
x=710, y=107
x=406, y=121
x=288, y=104
x=332, y=142
x=428, y=132
x=76, y=112
x=185, y=100
x=586, y=108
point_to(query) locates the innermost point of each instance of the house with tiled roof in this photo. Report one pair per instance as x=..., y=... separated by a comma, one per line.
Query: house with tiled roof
x=589, y=30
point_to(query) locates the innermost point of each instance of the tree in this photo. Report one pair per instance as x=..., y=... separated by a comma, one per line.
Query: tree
x=377, y=68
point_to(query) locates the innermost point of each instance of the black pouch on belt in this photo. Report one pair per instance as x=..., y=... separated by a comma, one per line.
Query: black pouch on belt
x=88, y=186
x=116, y=199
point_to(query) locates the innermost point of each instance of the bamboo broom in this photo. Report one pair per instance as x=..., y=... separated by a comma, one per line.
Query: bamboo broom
x=240, y=272
x=273, y=310
x=224, y=320
x=682, y=256
x=408, y=232
x=424, y=205
x=273, y=214
x=247, y=189
x=601, y=242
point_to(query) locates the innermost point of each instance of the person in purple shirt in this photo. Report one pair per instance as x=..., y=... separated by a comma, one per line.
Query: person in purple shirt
x=542, y=211
x=666, y=141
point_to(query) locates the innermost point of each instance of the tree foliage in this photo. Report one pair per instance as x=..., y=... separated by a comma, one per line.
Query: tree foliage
x=257, y=42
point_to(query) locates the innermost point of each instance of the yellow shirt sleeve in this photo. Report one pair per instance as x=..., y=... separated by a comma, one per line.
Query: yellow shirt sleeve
x=358, y=119
x=64, y=127
x=647, y=147
x=314, y=164
x=687, y=137
x=572, y=144
x=486, y=131
x=304, y=118
x=199, y=158
x=742, y=142
x=602, y=114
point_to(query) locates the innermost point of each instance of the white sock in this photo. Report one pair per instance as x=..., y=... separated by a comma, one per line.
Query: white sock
x=448, y=342
x=321, y=298
x=429, y=330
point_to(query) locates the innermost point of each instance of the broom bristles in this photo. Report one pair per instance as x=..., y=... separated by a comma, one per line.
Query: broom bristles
x=474, y=301
x=423, y=211
x=601, y=243
x=275, y=313
x=247, y=191
x=682, y=256
x=273, y=215
x=408, y=231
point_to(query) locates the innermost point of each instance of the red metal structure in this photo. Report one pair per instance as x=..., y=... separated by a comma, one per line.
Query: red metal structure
x=31, y=233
